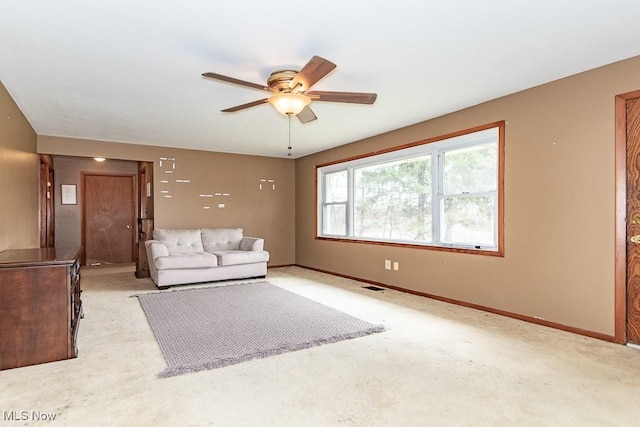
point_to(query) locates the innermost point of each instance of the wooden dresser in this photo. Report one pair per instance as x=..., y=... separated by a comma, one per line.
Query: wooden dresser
x=40, y=305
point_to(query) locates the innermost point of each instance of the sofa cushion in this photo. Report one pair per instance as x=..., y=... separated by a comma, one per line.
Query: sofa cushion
x=241, y=257
x=221, y=239
x=180, y=240
x=177, y=260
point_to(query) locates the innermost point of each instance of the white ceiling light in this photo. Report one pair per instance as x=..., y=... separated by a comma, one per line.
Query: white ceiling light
x=289, y=104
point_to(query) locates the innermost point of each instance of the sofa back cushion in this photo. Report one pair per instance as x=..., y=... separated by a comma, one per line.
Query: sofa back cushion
x=221, y=239
x=180, y=240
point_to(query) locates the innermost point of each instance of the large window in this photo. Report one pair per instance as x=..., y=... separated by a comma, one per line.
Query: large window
x=441, y=193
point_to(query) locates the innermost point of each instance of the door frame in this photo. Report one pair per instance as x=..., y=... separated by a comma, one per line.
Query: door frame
x=47, y=202
x=620, y=297
x=83, y=251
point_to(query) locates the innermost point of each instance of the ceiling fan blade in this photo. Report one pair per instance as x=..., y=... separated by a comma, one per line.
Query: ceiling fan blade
x=311, y=73
x=306, y=115
x=247, y=105
x=349, y=97
x=236, y=81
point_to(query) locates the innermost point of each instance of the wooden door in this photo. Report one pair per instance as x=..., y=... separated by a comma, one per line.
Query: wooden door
x=632, y=108
x=108, y=218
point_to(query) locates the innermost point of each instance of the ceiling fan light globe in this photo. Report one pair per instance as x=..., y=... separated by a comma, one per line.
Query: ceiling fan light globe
x=289, y=104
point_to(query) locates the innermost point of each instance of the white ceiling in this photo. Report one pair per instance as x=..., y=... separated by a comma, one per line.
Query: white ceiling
x=130, y=70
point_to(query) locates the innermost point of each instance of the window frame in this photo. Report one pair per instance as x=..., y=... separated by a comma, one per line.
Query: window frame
x=409, y=151
x=326, y=204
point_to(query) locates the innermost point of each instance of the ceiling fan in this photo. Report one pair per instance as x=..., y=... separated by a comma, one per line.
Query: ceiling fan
x=290, y=90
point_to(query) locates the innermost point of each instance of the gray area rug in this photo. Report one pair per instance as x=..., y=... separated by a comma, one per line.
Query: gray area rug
x=207, y=328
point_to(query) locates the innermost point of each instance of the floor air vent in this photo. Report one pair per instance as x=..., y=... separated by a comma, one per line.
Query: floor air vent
x=374, y=288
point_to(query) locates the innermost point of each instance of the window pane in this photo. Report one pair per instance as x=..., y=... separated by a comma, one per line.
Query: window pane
x=393, y=200
x=335, y=187
x=335, y=220
x=468, y=220
x=471, y=169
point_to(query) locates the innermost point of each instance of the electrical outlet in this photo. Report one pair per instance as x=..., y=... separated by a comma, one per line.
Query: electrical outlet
x=387, y=264
x=396, y=265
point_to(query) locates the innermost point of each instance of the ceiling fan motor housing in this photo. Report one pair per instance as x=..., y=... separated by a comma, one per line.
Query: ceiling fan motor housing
x=279, y=80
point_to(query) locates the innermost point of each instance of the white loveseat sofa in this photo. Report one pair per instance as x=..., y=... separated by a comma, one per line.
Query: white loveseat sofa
x=181, y=256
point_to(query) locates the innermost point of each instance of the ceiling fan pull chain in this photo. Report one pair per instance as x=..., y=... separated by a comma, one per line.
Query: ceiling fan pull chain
x=289, y=147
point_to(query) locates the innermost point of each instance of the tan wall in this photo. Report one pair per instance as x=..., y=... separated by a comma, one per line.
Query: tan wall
x=559, y=207
x=19, y=178
x=264, y=213
x=68, y=170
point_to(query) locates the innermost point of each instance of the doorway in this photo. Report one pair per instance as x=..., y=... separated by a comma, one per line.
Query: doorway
x=108, y=226
x=627, y=292
x=47, y=203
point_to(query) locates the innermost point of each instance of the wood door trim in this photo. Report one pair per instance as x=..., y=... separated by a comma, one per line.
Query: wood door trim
x=620, y=297
x=83, y=251
x=142, y=192
x=47, y=202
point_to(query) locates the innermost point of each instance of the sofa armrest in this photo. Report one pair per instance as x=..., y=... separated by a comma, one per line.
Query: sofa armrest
x=156, y=249
x=251, y=244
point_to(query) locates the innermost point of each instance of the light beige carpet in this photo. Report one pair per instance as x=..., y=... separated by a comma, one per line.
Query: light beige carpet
x=435, y=365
